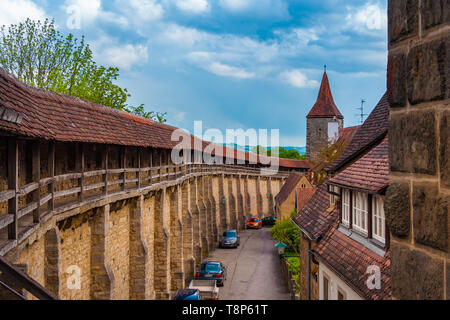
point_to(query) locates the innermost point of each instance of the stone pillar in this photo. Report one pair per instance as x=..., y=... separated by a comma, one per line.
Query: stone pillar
x=247, y=200
x=52, y=266
x=138, y=252
x=162, y=247
x=259, y=198
x=149, y=236
x=240, y=202
x=102, y=278
x=224, y=221
x=211, y=213
x=195, y=211
x=188, y=232
x=417, y=201
x=271, y=200
x=232, y=202
x=203, y=217
x=176, y=240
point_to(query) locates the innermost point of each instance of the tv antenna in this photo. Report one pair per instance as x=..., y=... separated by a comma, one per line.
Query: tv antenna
x=361, y=109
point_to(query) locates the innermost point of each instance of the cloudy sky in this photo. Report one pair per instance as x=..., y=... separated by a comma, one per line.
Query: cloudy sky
x=231, y=63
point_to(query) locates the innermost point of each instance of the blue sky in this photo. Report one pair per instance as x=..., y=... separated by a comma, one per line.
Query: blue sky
x=231, y=63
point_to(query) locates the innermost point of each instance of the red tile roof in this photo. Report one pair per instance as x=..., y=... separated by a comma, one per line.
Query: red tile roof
x=303, y=196
x=52, y=116
x=325, y=106
x=288, y=187
x=314, y=219
x=369, y=173
x=350, y=260
x=373, y=130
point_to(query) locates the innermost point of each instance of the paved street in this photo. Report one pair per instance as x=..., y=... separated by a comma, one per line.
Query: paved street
x=253, y=269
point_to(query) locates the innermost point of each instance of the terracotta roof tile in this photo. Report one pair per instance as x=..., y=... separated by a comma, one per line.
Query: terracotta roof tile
x=303, y=196
x=288, y=187
x=374, y=128
x=369, y=173
x=314, y=218
x=325, y=106
x=53, y=116
x=350, y=259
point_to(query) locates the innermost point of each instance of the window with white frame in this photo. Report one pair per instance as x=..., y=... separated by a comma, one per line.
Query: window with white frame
x=333, y=198
x=360, y=211
x=378, y=219
x=346, y=207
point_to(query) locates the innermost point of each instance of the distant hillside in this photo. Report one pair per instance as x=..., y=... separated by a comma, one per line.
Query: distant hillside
x=301, y=150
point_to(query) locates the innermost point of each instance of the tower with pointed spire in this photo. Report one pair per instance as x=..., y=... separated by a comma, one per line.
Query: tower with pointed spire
x=323, y=121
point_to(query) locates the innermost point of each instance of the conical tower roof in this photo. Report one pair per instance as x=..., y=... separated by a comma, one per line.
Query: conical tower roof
x=325, y=106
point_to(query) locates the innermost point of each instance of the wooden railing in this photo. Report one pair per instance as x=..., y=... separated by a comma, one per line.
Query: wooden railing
x=13, y=282
x=44, y=206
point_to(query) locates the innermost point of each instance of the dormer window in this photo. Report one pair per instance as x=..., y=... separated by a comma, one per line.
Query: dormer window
x=378, y=219
x=346, y=207
x=360, y=212
x=333, y=197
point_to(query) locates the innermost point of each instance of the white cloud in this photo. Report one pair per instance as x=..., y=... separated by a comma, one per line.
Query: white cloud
x=147, y=10
x=229, y=71
x=89, y=9
x=235, y=5
x=298, y=79
x=367, y=19
x=257, y=8
x=107, y=51
x=15, y=11
x=193, y=6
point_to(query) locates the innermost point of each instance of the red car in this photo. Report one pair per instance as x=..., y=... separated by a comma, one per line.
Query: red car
x=254, y=223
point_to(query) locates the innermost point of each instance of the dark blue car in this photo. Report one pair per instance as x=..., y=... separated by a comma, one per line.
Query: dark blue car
x=212, y=271
x=187, y=294
x=229, y=239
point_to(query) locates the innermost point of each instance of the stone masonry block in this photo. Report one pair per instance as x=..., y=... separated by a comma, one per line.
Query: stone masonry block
x=403, y=19
x=430, y=212
x=396, y=80
x=416, y=275
x=429, y=71
x=397, y=209
x=444, y=132
x=413, y=148
x=435, y=12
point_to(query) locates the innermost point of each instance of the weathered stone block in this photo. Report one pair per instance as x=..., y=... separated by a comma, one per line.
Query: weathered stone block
x=403, y=19
x=396, y=80
x=435, y=12
x=428, y=66
x=415, y=275
x=397, y=209
x=430, y=215
x=445, y=149
x=413, y=148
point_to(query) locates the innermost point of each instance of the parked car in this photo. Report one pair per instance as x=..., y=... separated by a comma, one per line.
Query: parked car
x=230, y=239
x=269, y=221
x=187, y=294
x=208, y=289
x=212, y=271
x=254, y=223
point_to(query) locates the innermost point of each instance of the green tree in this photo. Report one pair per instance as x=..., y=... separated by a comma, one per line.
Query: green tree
x=287, y=232
x=39, y=55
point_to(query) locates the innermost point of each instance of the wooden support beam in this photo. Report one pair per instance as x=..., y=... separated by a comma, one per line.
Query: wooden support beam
x=124, y=167
x=51, y=174
x=13, y=180
x=160, y=165
x=81, y=167
x=151, y=167
x=105, y=160
x=139, y=167
x=36, y=176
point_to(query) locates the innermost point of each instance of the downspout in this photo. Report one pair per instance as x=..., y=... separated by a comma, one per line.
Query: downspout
x=308, y=267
